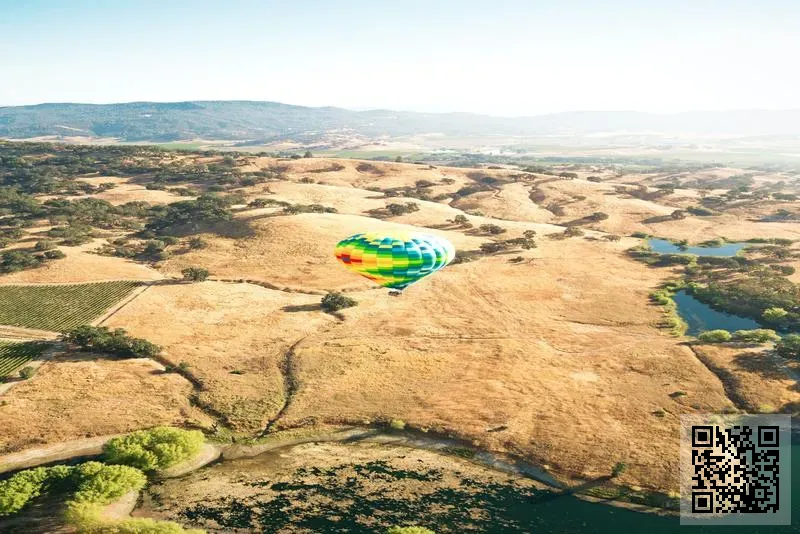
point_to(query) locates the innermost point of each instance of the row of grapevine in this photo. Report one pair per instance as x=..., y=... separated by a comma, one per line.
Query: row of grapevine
x=14, y=355
x=62, y=307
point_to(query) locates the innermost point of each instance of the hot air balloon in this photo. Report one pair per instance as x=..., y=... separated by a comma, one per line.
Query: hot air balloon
x=395, y=259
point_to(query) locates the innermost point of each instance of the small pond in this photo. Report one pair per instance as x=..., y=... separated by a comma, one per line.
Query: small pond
x=701, y=317
x=662, y=246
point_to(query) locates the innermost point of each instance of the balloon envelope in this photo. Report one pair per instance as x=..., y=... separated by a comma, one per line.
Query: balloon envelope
x=395, y=259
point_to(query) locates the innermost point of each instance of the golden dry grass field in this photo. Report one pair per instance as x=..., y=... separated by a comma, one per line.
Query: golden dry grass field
x=554, y=354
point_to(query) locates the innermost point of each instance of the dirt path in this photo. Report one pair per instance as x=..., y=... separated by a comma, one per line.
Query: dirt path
x=54, y=453
x=16, y=333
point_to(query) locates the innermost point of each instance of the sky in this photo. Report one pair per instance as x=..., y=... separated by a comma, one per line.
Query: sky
x=501, y=57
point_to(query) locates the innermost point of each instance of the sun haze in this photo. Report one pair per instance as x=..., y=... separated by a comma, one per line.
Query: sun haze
x=503, y=58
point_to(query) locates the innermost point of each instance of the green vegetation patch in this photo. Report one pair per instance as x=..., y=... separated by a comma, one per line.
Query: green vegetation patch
x=61, y=307
x=157, y=448
x=14, y=355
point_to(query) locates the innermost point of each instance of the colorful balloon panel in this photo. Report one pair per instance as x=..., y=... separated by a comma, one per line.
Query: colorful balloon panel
x=395, y=259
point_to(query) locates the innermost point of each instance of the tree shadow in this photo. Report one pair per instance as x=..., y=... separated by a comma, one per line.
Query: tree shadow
x=657, y=219
x=302, y=308
x=761, y=363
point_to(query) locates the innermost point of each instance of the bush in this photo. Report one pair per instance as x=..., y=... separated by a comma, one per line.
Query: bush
x=714, y=336
x=595, y=179
x=573, y=231
x=195, y=274
x=44, y=244
x=460, y=219
x=197, y=243
x=336, y=301
x=400, y=209
x=397, y=424
x=157, y=448
x=492, y=229
x=788, y=347
x=54, y=255
x=759, y=335
x=27, y=372
x=115, y=342
x=775, y=315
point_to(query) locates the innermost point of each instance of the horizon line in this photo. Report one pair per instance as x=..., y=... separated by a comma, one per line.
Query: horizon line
x=378, y=109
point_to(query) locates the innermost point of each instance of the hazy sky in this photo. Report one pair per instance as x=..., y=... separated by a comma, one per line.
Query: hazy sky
x=503, y=57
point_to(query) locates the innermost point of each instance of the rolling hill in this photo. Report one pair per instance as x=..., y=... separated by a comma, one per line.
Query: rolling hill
x=271, y=121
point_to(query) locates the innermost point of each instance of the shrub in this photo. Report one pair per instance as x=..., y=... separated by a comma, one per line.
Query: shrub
x=788, y=347
x=169, y=240
x=400, y=209
x=595, y=179
x=573, y=231
x=640, y=235
x=759, y=335
x=529, y=234
x=196, y=243
x=492, y=229
x=54, y=255
x=618, y=469
x=775, y=315
x=195, y=274
x=44, y=244
x=157, y=448
x=336, y=301
x=27, y=372
x=397, y=424
x=714, y=336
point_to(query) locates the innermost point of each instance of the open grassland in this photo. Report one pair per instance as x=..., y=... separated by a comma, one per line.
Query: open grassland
x=14, y=355
x=233, y=337
x=76, y=397
x=554, y=353
x=59, y=307
x=81, y=264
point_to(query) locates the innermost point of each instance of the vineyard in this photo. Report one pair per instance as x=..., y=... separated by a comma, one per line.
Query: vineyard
x=15, y=355
x=61, y=307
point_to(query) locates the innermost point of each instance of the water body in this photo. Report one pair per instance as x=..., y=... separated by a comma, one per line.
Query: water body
x=701, y=317
x=662, y=246
x=361, y=488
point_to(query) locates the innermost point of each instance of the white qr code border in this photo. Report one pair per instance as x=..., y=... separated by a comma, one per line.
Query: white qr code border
x=735, y=469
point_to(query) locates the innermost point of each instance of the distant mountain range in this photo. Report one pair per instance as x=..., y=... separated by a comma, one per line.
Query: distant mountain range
x=272, y=121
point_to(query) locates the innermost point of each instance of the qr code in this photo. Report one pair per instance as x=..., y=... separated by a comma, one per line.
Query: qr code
x=735, y=466
x=736, y=469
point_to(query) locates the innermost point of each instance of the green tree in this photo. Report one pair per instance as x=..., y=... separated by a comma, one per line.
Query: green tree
x=308, y=154
x=775, y=315
x=460, y=219
x=714, y=336
x=336, y=301
x=157, y=448
x=195, y=274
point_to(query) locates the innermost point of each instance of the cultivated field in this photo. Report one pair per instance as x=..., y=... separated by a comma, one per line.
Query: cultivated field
x=13, y=355
x=59, y=307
